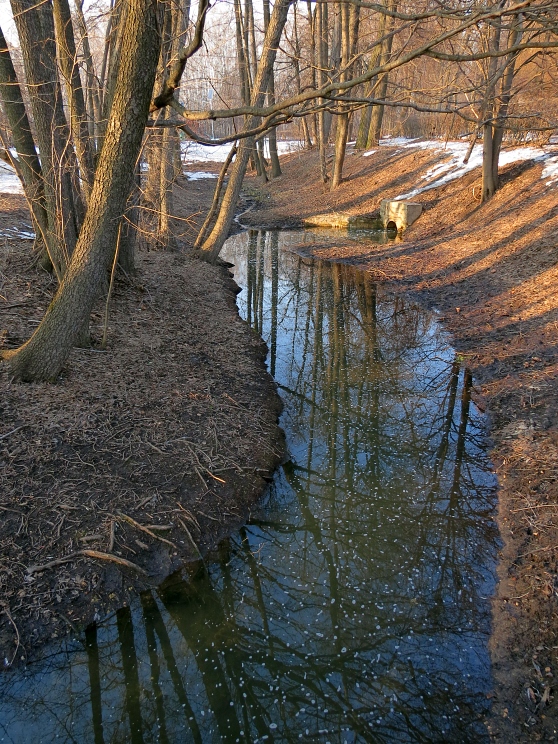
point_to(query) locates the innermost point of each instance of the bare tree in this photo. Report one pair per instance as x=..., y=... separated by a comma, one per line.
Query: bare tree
x=43, y=356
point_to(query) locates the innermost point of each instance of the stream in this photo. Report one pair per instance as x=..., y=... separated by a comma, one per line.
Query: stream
x=354, y=606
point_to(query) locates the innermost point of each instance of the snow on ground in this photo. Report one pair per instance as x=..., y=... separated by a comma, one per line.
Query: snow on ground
x=452, y=166
x=550, y=170
x=9, y=182
x=12, y=233
x=198, y=175
x=194, y=152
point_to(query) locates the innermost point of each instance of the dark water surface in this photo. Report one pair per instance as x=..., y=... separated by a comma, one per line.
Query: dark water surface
x=354, y=606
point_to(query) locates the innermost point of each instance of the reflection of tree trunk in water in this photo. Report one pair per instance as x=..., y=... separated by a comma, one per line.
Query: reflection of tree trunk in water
x=155, y=625
x=250, y=273
x=131, y=676
x=207, y=659
x=260, y=601
x=369, y=391
x=317, y=357
x=444, y=442
x=274, y=299
x=460, y=447
x=155, y=667
x=261, y=268
x=92, y=649
x=313, y=526
x=204, y=604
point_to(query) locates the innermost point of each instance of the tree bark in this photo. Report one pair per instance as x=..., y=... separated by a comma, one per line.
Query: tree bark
x=273, y=155
x=214, y=242
x=43, y=356
x=22, y=137
x=93, y=107
x=35, y=28
x=67, y=56
x=377, y=114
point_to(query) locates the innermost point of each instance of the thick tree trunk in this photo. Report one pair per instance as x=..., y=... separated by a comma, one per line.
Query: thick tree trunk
x=43, y=356
x=489, y=178
x=489, y=171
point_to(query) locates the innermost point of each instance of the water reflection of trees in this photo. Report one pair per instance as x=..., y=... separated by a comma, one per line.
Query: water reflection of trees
x=352, y=607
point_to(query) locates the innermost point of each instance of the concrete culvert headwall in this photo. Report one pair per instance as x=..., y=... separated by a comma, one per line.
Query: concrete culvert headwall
x=399, y=214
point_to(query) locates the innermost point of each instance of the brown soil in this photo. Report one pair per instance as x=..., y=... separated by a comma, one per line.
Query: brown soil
x=149, y=452
x=492, y=271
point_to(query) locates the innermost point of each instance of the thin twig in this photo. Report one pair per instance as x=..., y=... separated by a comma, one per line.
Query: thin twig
x=114, y=559
x=111, y=285
x=190, y=538
x=111, y=537
x=89, y=554
x=6, y=612
x=147, y=531
x=13, y=431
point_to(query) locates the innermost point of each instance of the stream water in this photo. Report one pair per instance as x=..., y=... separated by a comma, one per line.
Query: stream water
x=354, y=606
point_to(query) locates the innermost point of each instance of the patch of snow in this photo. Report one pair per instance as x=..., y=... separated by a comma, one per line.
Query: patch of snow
x=286, y=146
x=550, y=170
x=12, y=233
x=368, y=153
x=453, y=167
x=194, y=152
x=403, y=141
x=198, y=175
x=9, y=182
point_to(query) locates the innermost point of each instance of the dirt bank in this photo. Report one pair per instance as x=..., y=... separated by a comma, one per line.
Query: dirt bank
x=148, y=453
x=492, y=272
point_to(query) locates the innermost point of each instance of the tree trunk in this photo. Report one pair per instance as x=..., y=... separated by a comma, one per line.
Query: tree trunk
x=35, y=28
x=67, y=57
x=273, y=155
x=214, y=242
x=43, y=356
x=489, y=173
x=321, y=30
x=377, y=114
x=93, y=107
x=504, y=100
x=22, y=137
x=349, y=37
x=375, y=59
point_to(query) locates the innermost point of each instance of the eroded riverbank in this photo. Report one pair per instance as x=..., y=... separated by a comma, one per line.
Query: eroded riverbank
x=148, y=453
